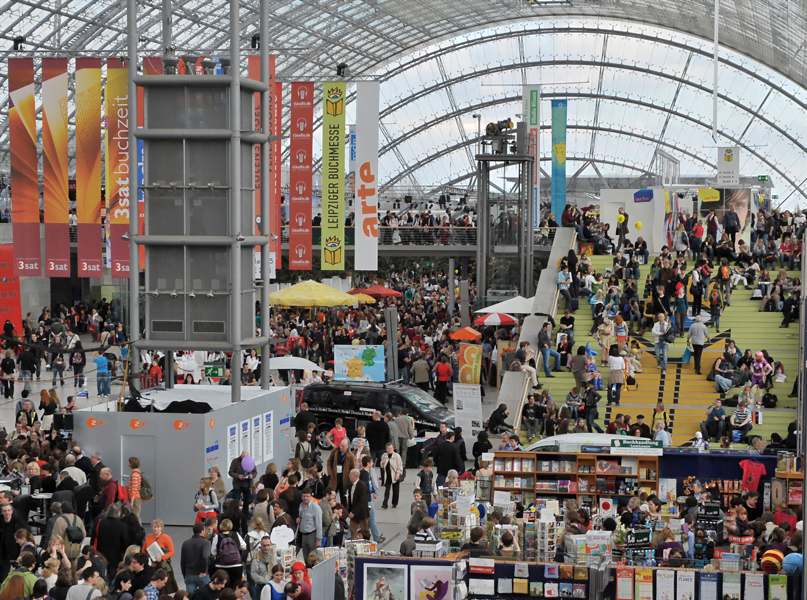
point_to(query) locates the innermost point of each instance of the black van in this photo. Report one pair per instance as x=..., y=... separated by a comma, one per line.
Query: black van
x=355, y=404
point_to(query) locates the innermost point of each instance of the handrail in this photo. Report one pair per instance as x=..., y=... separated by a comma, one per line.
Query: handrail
x=405, y=235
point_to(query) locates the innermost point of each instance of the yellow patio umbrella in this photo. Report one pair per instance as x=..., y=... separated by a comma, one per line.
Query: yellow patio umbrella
x=310, y=293
x=364, y=298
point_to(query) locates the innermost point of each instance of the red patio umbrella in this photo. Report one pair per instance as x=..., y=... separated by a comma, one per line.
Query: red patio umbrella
x=377, y=291
x=496, y=319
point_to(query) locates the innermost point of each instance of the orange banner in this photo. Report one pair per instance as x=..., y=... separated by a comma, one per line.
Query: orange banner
x=24, y=167
x=54, y=167
x=272, y=179
x=470, y=363
x=117, y=161
x=254, y=73
x=88, y=166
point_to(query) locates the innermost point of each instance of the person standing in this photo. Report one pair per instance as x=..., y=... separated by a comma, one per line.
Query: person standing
x=391, y=471
x=444, y=373
x=135, y=482
x=368, y=476
x=112, y=539
x=166, y=544
x=226, y=548
x=87, y=589
x=698, y=337
x=340, y=463
x=102, y=374
x=157, y=583
x=358, y=503
x=621, y=228
x=545, y=346
x=731, y=225
x=448, y=458
x=28, y=365
x=377, y=434
x=193, y=560
x=659, y=330
x=9, y=372
x=9, y=549
x=406, y=432
x=309, y=530
x=420, y=372
x=242, y=479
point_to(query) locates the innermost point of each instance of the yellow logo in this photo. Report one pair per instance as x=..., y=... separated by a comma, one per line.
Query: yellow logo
x=333, y=250
x=728, y=155
x=334, y=103
x=560, y=152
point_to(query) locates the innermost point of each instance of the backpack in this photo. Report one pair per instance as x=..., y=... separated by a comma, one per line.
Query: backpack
x=146, y=493
x=309, y=458
x=769, y=400
x=725, y=273
x=229, y=553
x=76, y=359
x=72, y=534
x=122, y=495
x=731, y=402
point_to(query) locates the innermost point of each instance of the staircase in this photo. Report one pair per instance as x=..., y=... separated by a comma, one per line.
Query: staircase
x=685, y=395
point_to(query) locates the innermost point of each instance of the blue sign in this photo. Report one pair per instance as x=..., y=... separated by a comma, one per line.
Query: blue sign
x=359, y=363
x=643, y=196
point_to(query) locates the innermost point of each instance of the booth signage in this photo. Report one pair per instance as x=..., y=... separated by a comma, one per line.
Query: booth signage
x=637, y=446
x=483, y=566
x=643, y=196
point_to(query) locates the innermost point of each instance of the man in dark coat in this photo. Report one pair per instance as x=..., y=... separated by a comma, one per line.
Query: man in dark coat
x=83, y=462
x=358, y=504
x=303, y=418
x=242, y=481
x=112, y=539
x=448, y=457
x=9, y=549
x=142, y=571
x=94, y=476
x=377, y=434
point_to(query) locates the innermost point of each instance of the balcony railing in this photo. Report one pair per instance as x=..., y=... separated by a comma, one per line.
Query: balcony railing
x=421, y=236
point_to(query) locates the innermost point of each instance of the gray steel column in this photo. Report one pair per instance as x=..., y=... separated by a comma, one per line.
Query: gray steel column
x=266, y=192
x=482, y=231
x=170, y=369
x=235, y=199
x=168, y=33
x=391, y=320
x=134, y=193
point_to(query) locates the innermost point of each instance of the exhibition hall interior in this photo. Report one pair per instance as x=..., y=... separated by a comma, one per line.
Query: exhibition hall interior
x=285, y=288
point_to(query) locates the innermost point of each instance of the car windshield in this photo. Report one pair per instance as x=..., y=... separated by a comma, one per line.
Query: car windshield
x=423, y=401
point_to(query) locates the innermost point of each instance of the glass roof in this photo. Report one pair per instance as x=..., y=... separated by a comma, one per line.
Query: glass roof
x=632, y=86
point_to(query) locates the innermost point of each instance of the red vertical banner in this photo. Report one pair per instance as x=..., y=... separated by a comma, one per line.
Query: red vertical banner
x=24, y=167
x=116, y=95
x=272, y=179
x=254, y=73
x=151, y=66
x=54, y=167
x=88, y=166
x=300, y=150
x=10, y=308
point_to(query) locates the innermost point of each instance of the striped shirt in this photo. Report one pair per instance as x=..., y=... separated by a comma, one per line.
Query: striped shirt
x=740, y=415
x=134, y=484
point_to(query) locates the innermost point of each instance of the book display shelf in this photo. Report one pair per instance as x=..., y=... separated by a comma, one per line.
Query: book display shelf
x=532, y=476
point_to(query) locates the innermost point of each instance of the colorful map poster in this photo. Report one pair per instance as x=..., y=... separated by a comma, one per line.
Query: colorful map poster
x=359, y=363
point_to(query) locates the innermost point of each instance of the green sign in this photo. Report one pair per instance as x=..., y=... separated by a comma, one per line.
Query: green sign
x=762, y=178
x=214, y=371
x=534, y=108
x=775, y=197
x=631, y=445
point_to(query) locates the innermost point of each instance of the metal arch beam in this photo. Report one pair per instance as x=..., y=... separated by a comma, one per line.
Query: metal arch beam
x=410, y=170
x=497, y=101
x=599, y=91
x=589, y=95
x=673, y=103
x=585, y=160
x=454, y=110
x=491, y=70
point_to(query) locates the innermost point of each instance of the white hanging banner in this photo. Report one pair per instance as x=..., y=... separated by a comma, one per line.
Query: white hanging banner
x=531, y=96
x=367, y=181
x=728, y=166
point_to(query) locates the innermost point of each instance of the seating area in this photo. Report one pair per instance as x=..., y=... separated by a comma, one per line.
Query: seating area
x=686, y=395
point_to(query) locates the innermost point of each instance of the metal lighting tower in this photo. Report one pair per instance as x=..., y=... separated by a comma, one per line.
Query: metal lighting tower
x=505, y=217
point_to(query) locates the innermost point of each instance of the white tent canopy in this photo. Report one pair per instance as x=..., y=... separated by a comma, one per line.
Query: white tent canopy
x=519, y=304
x=292, y=362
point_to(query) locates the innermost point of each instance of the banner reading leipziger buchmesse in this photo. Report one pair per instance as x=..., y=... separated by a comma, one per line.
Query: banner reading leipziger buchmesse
x=333, y=176
x=367, y=94
x=116, y=95
x=301, y=147
x=54, y=167
x=24, y=167
x=88, y=165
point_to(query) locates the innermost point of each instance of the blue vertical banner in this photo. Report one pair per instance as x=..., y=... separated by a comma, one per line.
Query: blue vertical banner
x=558, y=157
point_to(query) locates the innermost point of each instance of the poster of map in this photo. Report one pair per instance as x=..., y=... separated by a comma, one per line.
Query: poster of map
x=359, y=363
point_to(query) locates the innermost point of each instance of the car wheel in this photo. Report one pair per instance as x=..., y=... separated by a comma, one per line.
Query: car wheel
x=322, y=441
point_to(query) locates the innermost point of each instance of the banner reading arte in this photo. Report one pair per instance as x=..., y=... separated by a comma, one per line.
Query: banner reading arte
x=54, y=167
x=24, y=166
x=88, y=166
x=333, y=176
x=117, y=174
x=367, y=94
x=300, y=178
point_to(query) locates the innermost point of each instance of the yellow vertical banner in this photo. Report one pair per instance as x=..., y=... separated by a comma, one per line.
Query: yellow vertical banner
x=470, y=363
x=333, y=176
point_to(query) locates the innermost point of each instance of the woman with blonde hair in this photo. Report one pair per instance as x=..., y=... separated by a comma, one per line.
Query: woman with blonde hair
x=50, y=571
x=206, y=501
x=216, y=482
x=166, y=544
x=56, y=550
